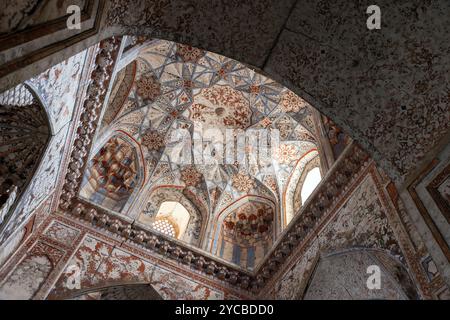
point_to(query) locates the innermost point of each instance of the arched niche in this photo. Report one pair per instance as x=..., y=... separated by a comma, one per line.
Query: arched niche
x=292, y=196
x=191, y=231
x=344, y=275
x=114, y=174
x=302, y=194
x=244, y=232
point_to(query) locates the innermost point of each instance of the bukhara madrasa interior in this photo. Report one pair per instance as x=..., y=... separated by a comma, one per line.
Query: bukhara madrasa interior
x=131, y=164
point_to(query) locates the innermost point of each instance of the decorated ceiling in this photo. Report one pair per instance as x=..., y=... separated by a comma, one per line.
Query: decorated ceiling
x=206, y=131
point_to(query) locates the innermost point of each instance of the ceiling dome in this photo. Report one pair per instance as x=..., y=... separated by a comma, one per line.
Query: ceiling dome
x=237, y=133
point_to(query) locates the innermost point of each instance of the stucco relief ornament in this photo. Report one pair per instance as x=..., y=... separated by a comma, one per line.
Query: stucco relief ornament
x=290, y=102
x=229, y=106
x=190, y=176
x=243, y=182
x=153, y=140
x=148, y=87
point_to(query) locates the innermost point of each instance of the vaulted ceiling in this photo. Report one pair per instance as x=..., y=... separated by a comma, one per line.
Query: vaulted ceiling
x=178, y=107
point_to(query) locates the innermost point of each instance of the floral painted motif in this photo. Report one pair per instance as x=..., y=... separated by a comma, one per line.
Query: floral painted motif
x=285, y=126
x=243, y=182
x=119, y=92
x=249, y=222
x=174, y=287
x=153, y=140
x=266, y=122
x=133, y=118
x=199, y=89
x=179, y=89
x=197, y=112
x=271, y=182
x=148, y=87
x=286, y=153
x=101, y=265
x=190, y=176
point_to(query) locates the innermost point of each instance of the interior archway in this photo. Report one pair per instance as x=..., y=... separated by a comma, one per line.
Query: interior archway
x=245, y=233
x=188, y=224
x=293, y=200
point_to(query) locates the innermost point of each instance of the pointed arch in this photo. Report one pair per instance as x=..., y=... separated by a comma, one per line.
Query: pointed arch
x=312, y=179
x=291, y=194
x=244, y=231
x=196, y=225
x=343, y=274
x=115, y=173
x=172, y=219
